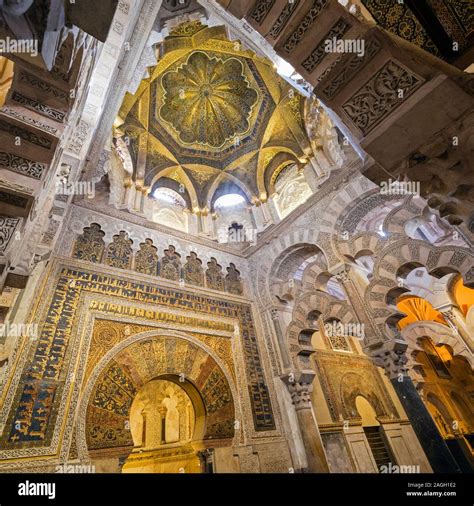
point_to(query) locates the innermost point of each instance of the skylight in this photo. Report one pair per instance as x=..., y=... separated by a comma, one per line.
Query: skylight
x=232, y=199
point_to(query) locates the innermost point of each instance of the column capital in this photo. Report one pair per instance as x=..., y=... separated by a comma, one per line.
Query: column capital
x=206, y=455
x=274, y=314
x=162, y=410
x=392, y=357
x=300, y=388
x=342, y=272
x=300, y=395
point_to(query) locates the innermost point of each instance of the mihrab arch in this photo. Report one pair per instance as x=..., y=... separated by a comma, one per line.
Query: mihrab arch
x=114, y=383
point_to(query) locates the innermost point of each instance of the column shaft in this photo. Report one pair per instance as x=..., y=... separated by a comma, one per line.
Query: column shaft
x=436, y=450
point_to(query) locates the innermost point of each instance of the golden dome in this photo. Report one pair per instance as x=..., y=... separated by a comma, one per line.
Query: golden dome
x=208, y=100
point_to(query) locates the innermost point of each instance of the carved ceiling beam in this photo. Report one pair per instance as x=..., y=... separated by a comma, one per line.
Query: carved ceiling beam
x=388, y=94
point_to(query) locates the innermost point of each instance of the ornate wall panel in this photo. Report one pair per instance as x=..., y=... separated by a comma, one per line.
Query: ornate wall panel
x=146, y=259
x=8, y=226
x=192, y=271
x=400, y=20
x=380, y=95
x=90, y=245
x=33, y=415
x=305, y=24
x=343, y=378
x=119, y=253
x=22, y=165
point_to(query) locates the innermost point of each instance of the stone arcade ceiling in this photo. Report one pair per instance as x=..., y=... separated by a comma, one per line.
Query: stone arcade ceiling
x=209, y=112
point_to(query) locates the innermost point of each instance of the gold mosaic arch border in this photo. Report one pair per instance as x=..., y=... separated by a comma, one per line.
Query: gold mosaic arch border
x=118, y=317
x=85, y=398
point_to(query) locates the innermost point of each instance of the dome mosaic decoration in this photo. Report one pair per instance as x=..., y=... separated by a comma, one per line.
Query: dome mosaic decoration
x=210, y=112
x=208, y=100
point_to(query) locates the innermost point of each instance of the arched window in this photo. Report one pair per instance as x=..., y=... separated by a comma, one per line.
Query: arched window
x=291, y=190
x=229, y=200
x=169, y=209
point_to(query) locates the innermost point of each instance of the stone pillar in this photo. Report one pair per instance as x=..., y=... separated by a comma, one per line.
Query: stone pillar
x=193, y=222
x=313, y=445
x=282, y=342
x=207, y=226
x=391, y=356
x=356, y=299
x=258, y=215
x=312, y=176
x=456, y=321
x=145, y=192
x=144, y=429
x=270, y=209
x=162, y=411
x=206, y=459
x=127, y=193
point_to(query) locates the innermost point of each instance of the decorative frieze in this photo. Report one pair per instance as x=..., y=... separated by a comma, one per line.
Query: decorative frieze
x=261, y=10
x=283, y=18
x=79, y=137
x=26, y=135
x=7, y=228
x=306, y=23
x=43, y=86
x=385, y=91
x=22, y=165
x=320, y=51
x=349, y=68
x=28, y=119
x=40, y=107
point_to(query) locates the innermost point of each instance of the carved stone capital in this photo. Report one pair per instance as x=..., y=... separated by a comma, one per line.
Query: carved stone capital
x=274, y=314
x=342, y=273
x=392, y=357
x=206, y=455
x=300, y=394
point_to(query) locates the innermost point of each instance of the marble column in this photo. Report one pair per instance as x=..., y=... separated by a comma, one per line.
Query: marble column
x=271, y=210
x=258, y=215
x=313, y=445
x=138, y=198
x=453, y=315
x=312, y=176
x=392, y=358
x=163, y=411
x=282, y=342
x=127, y=194
x=206, y=459
x=354, y=294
